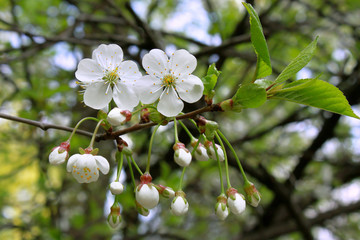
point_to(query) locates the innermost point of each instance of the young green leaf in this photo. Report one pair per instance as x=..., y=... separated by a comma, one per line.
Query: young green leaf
x=210, y=79
x=263, y=66
x=250, y=96
x=316, y=93
x=298, y=63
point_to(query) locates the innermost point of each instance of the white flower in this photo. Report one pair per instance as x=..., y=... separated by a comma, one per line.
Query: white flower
x=170, y=81
x=179, y=206
x=116, y=188
x=85, y=167
x=200, y=153
x=168, y=192
x=147, y=195
x=182, y=155
x=236, y=203
x=221, y=211
x=211, y=151
x=116, y=116
x=106, y=76
x=58, y=156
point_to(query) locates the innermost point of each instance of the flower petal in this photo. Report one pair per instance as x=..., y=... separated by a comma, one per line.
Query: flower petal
x=149, y=89
x=89, y=71
x=129, y=71
x=125, y=96
x=182, y=63
x=71, y=162
x=108, y=56
x=98, y=95
x=102, y=164
x=190, y=89
x=170, y=104
x=155, y=63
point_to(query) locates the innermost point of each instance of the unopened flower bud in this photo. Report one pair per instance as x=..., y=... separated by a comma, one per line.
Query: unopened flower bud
x=253, y=197
x=235, y=201
x=221, y=208
x=200, y=152
x=179, y=205
x=60, y=153
x=182, y=155
x=116, y=116
x=166, y=192
x=141, y=210
x=116, y=188
x=207, y=127
x=114, y=218
x=146, y=194
x=211, y=151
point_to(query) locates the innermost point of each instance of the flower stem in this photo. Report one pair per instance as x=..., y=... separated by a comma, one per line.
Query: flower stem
x=234, y=153
x=131, y=171
x=187, y=130
x=150, y=146
x=120, y=163
x=220, y=171
x=80, y=122
x=94, y=134
x=181, y=179
x=135, y=165
x=176, y=132
x=226, y=160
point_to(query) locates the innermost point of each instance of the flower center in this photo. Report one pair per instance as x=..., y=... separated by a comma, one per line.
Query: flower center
x=168, y=80
x=111, y=77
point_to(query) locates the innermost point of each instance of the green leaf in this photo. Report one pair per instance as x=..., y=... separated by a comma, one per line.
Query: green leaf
x=250, y=96
x=210, y=79
x=263, y=67
x=298, y=63
x=316, y=93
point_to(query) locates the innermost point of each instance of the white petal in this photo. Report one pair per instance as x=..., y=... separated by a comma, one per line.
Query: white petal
x=71, y=162
x=116, y=188
x=182, y=157
x=190, y=89
x=238, y=205
x=182, y=63
x=179, y=206
x=102, y=164
x=125, y=96
x=115, y=117
x=170, y=104
x=57, y=158
x=148, y=89
x=97, y=95
x=129, y=71
x=148, y=196
x=156, y=63
x=220, y=213
x=108, y=56
x=89, y=71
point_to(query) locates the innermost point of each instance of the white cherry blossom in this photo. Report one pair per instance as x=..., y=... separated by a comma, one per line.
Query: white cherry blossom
x=106, y=76
x=179, y=206
x=85, y=167
x=170, y=81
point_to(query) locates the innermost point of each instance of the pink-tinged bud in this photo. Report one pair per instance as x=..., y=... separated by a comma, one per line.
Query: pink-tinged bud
x=253, y=196
x=116, y=188
x=144, y=115
x=211, y=151
x=221, y=208
x=166, y=192
x=200, y=152
x=114, y=218
x=179, y=205
x=146, y=193
x=235, y=201
x=60, y=154
x=116, y=116
x=141, y=210
x=182, y=155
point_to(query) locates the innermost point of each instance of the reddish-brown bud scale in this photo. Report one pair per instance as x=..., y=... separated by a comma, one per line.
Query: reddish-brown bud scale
x=145, y=116
x=178, y=146
x=231, y=191
x=65, y=145
x=127, y=115
x=145, y=178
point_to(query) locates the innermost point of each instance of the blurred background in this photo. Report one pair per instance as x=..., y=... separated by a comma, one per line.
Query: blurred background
x=304, y=161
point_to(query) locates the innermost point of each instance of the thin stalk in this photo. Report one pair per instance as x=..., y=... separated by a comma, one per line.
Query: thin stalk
x=150, y=146
x=135, y=165
x=181, y=179
x=94, y=135
x=234, y=153
x=220, y=171
x=176, y=132
x=226, y=160
x=120, y=163
x=187, y=130
x=131, y=171
x=80, y=122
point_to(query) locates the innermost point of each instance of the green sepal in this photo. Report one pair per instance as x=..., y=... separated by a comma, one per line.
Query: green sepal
x=81, y=150
x=95, y=151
